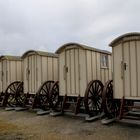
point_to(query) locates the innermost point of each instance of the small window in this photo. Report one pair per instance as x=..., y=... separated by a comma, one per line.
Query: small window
x=104, y=61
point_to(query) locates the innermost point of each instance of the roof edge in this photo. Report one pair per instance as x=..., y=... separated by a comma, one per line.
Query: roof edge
x=122, y=36
x=81, y=46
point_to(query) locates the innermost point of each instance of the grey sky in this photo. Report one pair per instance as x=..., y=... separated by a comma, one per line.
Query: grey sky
x=47, y=24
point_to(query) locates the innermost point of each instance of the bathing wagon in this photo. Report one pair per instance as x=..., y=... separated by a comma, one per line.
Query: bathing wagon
x=122, y=94
x=10, y=78
x=82, y=72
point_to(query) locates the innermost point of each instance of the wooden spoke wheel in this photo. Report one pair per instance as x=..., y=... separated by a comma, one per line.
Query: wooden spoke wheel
x=54, y=95
x=42, y=96
x=109, y=104
x=20, y=97
x=93, y=97
x=10, y=94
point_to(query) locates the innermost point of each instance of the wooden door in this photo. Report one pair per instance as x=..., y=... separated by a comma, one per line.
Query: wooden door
x=118, y=71
x=72, y=72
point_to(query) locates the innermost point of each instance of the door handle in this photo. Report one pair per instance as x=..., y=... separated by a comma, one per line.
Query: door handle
x=122, y=69
x=125, y=66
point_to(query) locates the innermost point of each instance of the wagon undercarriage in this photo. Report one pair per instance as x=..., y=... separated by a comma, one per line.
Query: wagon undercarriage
x=118, y=108
x=11, y=96
x=90, y=104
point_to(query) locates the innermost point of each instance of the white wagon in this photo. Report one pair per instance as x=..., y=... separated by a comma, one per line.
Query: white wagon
x=121, y=93
x=10, y=78
x=40, y=71
x=82, y=72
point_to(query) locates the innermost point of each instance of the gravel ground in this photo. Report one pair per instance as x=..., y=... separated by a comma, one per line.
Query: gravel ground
x=28, y=126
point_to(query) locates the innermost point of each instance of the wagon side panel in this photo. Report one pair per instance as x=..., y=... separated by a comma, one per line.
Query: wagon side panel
x=55, y=69
x=19, y=71
x=98, y=66
x=83, y=72
x=5, y=74
x=118, y=73
x=25, y=74
x=50, y=68
x=38, y=72
x=89, y=65
x=133, y=66
x=44, y=70
x=0, y=76
x=12, y=71
x=94, y=66
x=127, y=83
x=62, y=73
x=138, y=66
x=110, y=71
x=77, y=72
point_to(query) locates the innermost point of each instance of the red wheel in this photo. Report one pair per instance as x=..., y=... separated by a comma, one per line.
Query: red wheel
x=93, y=97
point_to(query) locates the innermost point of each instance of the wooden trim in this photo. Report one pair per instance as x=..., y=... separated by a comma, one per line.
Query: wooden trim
x=79, y=79
x=122, y=47
x=130, y=68
x=70, y=71
x=74, y=71
x=136, y=67
x=96, y=66
x=86, y=67
x=52, y=68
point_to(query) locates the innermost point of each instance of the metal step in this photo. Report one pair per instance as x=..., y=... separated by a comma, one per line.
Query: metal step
x=76, y=115
x=89, y=119
x=134, y=113
x=131, y=117
x=54, y=114
x=107, y=121
x=21, y=108
x=42, y=112
x=9, y=108
x=128, y=121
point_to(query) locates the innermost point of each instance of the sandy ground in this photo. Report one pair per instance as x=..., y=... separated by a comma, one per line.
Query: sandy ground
x=29, y=126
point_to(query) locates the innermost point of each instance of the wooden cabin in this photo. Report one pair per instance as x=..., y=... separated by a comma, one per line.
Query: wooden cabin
x=126, y=66
x=38, y=67
x=10, y=71
x=78, y=65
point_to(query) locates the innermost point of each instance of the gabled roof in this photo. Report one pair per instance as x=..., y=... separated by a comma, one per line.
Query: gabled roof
x=8, y=57
x=120, y=39
x=41, y=53
x=81, y=46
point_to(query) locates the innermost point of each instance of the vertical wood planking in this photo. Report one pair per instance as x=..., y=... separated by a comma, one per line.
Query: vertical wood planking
x=72, y=67
x=44, y=69
x=138, y=66
x=89, y=66
x=110, y=70
x=94, y=68
x=68, y=72
x=38, y=70
x=127, y=71
x=50, y=71
x=62, y=74
x=0, y=76
x=98, y=66
x=55, y=67
x=133, y=69
x=77, y=71
x=25, y=67
x=83, y=72
x=118, y=81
